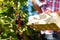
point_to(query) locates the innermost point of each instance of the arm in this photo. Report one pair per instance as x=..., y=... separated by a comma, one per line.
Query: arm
x=38, y=9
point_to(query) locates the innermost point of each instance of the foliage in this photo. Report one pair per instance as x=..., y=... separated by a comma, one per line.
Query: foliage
x=8, y=27
x=8, y=9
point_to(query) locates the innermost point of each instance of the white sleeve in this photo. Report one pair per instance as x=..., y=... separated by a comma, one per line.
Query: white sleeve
x=39, y=3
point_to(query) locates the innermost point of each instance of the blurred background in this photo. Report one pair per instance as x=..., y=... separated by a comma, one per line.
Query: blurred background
x=13, y=21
